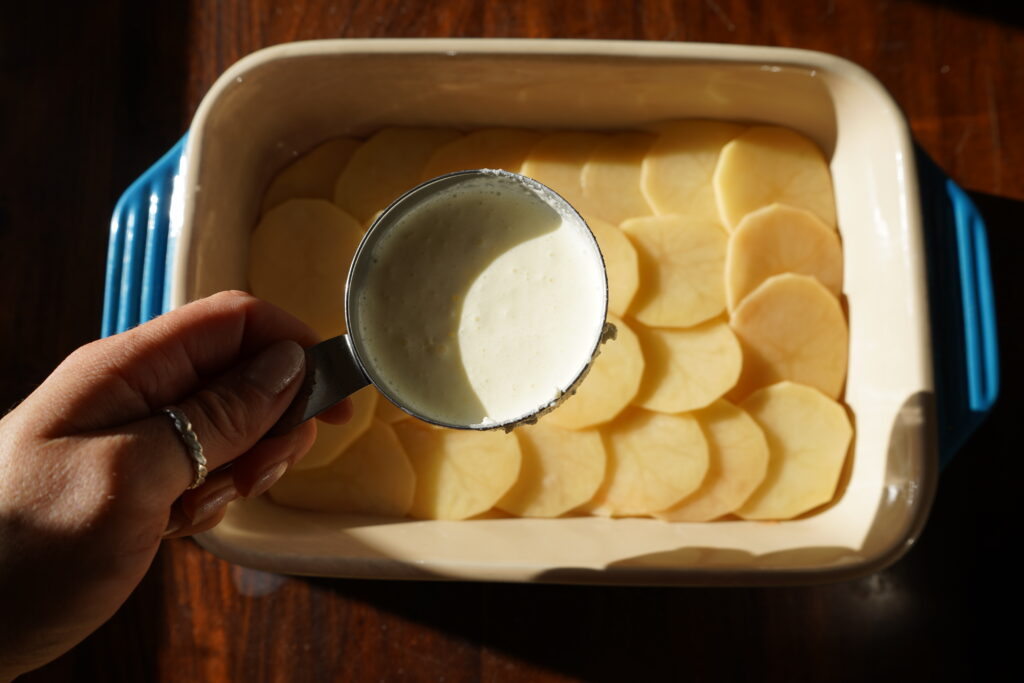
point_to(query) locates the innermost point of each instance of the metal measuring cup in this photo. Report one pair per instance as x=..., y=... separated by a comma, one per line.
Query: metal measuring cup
x=338, y=367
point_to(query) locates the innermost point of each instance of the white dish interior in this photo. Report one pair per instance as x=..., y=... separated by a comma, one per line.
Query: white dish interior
x=278, y=103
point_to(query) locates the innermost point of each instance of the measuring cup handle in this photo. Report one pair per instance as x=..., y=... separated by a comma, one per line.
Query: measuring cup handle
x=332, y=373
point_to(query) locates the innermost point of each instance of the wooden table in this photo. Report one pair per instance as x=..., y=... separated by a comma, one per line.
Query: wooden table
x=94, y=92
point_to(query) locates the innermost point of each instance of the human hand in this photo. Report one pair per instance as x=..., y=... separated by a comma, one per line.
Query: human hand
x=93, y=476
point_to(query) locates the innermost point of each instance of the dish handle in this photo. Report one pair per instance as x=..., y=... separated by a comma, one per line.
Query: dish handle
x=143, y=235
x=962, y=305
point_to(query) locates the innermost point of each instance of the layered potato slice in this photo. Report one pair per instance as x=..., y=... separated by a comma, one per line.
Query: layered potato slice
x=687, y=369
x=808, y=437
x=312, y=175
x=372, y=476
x=299, y=256
x=676, y=173
x=389, y=163
x=738, y=463
x=608, y=388
x=500, y=148
x=780, y=239
x=459, y=473
x=557, y=161
x=654, y=461
x=561, y=470
x=611, y=177
x=791, y=328
x=388, y=412
x=682, y=265
x=332, y=440
x=723, y=257
x=772, y=165
x=620, y=263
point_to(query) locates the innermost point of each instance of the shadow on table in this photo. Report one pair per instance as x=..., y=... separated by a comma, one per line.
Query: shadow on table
x=1000, y=11
x=98, y=88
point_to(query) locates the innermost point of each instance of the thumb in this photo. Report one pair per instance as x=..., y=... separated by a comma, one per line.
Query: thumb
x=229, y=416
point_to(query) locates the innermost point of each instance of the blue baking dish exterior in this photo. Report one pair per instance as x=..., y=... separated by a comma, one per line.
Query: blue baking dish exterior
x=140, y=253
x=962, y=305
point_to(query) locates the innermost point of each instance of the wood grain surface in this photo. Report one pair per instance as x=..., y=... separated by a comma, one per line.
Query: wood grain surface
x=92, y=93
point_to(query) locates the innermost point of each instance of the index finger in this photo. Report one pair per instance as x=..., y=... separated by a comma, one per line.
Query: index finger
x=130, y=375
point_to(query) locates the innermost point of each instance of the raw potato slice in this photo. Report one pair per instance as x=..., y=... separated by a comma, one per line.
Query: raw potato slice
x=372, y=477
x=768, y=165
x=557, y=161
x=677, y=170
x=458, y=473
x=791, y=328
x=682, y=262
x=738, y=463
x=687, y=369
x=620, y=262
x=611, y=177
x=385, y=166
x=331, y=439
x=299, y=257
x=781, y=239
x=502, y=148
x=654, y=461
x=609, y=387
x=808, y=437
x=371, y=220
x=388, y=412
x=561, y=469
x=312, y=175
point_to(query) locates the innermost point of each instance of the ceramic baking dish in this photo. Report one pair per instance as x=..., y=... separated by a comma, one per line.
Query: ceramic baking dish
x=922, y=346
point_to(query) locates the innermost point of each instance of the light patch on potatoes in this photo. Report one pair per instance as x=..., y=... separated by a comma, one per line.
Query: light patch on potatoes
x=780, y=239
x=608, y=388
x=808, y=437
x=459, y=473
x=682, y=265
x=772, y=165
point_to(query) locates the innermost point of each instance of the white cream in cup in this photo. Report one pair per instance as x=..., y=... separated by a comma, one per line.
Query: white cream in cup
x=476, y=300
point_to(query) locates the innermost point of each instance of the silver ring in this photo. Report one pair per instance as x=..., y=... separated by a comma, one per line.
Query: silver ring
x=191, y=441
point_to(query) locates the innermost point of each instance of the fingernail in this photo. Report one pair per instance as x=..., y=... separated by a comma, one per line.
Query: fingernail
x=267, y=479
x=276, y=367
x=214, y=502
x=172, y=526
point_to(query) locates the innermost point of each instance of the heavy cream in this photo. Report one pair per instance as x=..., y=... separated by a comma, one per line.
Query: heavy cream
x=481, y=304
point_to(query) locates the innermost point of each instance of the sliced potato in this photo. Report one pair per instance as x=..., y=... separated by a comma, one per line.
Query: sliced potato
x=561, y=469
x=312, y=175
x=808, y=437
x=371, y=220
x=676, y=172
x=791, y=328
x=768, y=165
x=372, y=476
x=620, y=262
x=388, y=412
x=458, y=473
x=501, y=148
x=557, y=161
x=682, y=262
x=738, y=463
x=332, y=439
x=687, y=369
x=781, y=239
x=299, y=257
x=385, y=166
x=611, y=177
x=654, y=461
x=609, y=387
